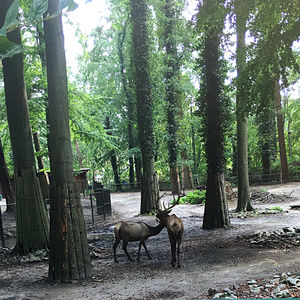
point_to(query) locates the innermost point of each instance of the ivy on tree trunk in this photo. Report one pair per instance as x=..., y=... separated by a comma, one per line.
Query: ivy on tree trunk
x=149, y=188
x=243, y=203
x=214, y=115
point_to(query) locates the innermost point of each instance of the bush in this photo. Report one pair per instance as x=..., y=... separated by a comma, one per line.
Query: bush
x=278, y=208
x=195, y=197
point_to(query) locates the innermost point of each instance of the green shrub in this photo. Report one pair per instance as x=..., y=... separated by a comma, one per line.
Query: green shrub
x=276, y=208
x=195, y=197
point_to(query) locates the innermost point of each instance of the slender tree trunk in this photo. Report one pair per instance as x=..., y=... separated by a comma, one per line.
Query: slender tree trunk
x=38, y=149
x=79, y=154
x=149, y=191
x=32, y=219
x=69, y=253
x=138, y=172
x=42, y=175
x=288, y=117
x=243, y=203
x=172, y=90
x=195, y=160
x=187, y=178
x=5, y=183
x=281, y=138
x=113, y=158
x=130, y=103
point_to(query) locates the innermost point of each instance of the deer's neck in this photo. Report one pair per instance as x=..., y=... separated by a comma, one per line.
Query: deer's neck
x=154, y=230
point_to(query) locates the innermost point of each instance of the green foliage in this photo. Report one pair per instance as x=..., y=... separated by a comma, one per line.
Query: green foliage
x=35, y=12
x=195, y=197
x=277, y=208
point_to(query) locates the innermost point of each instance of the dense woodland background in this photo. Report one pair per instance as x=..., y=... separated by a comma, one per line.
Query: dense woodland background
x=186, y=102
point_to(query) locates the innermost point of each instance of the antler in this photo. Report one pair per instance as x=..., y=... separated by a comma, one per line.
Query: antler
x=169, y=208
x=157, y=203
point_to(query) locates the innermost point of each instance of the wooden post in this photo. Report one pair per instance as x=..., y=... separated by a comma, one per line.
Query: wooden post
x=92, y=207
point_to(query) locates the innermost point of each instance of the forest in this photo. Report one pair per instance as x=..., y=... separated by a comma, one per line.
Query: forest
x=160, y=100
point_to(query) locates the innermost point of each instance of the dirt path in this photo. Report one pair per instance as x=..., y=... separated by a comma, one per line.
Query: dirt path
x=210, y=259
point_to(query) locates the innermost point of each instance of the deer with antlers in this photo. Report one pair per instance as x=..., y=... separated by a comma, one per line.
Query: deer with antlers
x=174, y=227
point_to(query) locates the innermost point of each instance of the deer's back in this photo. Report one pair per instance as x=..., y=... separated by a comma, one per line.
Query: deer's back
x=132, y=231
x=175, y=226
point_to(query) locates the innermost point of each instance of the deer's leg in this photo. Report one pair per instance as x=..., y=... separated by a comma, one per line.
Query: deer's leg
x=144, y=245
x=173, y=250
x=125, y=250
x=178, y=251
x=139, y=251
x=115, y=248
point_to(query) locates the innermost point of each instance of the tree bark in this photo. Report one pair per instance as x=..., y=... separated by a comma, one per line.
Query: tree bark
x=130, y=102
x=216, y=211
x=38, y=149
x=32, y=219
x=149, y=189
x=186, y=173
x=42, y=175
x=172, y=90
x=79, y=154
x=113, y=158
x=280, y=128
x=243, y=203
x=6, y=184
x=69, y=253
x=138, y=172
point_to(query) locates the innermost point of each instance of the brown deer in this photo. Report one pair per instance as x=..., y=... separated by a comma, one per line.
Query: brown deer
x=175, y=228
x=133, y=232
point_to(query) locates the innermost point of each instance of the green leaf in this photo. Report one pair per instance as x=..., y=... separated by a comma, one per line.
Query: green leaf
x=11, y=16
x=67, y=3
x=72, y=5
x=38, y=8
x=8, y=48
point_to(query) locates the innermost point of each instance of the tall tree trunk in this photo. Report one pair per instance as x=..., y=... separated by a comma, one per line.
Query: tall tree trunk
x=113, y=158
x=32, y=219
x=5, y=183
x=243, y=203
x=172, y=90
x=281, y=139
x=216, y=211
x=266, y=132
x=186, y=173
x=69, y=253
x=149, y=191
x=130, y=102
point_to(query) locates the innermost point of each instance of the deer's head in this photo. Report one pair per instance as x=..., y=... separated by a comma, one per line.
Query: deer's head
x=163, y=214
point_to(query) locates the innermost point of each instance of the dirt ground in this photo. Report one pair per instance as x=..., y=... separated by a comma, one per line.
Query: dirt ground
x=211, y=259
